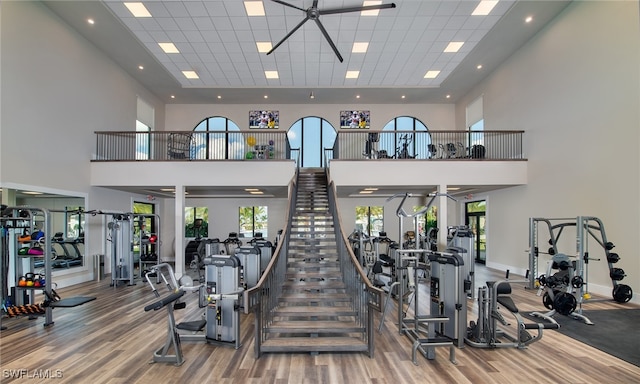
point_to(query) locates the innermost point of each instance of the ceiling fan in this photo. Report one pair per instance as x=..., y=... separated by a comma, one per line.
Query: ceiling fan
x=313, y=13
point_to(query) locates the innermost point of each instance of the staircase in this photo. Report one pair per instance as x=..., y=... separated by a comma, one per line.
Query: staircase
x=314, y=311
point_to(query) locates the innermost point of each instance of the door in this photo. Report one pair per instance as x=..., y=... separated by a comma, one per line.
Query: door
x=475, y=218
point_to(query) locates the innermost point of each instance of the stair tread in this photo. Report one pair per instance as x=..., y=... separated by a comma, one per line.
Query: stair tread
x=314, y=344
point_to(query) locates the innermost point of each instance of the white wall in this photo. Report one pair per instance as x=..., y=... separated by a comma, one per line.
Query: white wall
x=185, y=117
x=58, y=90
x=574, y=90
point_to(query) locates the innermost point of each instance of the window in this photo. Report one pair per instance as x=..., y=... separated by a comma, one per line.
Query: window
x=312, y=135
x=196, y=222
x=475, y=122
x=253, y=220
x=370, y=220
x=220, y=140
x=144, y=124
x=75, y=222
x=406, y=142
x=143, y=141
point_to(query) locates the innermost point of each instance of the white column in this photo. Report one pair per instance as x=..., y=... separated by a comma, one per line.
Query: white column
x=179, y=230
x=442, y=217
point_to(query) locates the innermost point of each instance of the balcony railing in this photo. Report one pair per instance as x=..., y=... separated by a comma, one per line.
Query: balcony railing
x=185, y=145
x=494, y=145
x=270, y=144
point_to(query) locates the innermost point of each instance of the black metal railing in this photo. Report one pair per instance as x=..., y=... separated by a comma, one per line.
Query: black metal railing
x=367, y=299
x=493, y=145
x=194, y=145
x=274, y=144
x=263, y=298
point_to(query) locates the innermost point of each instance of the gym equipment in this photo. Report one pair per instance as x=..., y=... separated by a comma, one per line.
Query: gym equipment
x=461, y=239
x=427, y=331
x=122, y=258
x=587, y=227
x=266, y=250
x=559, y=289
x=402, y=151
x=162, y=355
x=485, y=332
x=249, y=257
x=223, y=291
x=370, y=151
x=231, y=243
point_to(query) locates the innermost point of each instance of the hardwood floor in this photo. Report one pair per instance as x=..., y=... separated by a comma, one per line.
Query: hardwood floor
x=112, y=339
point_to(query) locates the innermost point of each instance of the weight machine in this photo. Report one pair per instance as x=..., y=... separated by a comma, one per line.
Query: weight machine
x=440, y=327
x=566, y=289
x=485, y=332
x=219, y=293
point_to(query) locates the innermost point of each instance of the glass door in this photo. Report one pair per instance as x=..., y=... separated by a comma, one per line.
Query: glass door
x=475, y=218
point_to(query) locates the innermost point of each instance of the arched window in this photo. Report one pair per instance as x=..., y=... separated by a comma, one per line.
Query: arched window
x=312, y=135
x=218, y=140
x=410, y=139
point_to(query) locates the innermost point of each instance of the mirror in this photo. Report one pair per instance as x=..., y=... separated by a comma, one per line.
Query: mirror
x=67, y=223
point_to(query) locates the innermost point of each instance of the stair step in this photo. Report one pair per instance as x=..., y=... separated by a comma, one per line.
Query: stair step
x=314, y=344
x=327, y=284
x=312, y=311
x=319, y=327
x=314, y=298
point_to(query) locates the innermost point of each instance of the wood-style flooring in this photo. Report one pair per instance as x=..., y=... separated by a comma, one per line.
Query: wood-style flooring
x=112, y=339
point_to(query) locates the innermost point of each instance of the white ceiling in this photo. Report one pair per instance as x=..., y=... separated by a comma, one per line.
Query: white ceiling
x=218, y=40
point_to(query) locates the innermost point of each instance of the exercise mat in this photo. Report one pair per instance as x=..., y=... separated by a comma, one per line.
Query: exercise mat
x=614, y=331
x=71, y=302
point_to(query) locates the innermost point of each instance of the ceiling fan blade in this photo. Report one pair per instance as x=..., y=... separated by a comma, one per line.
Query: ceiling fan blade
x=326, y=36
x=288, y=5
x=315, y=4
x=355, y=9
x=288, y=34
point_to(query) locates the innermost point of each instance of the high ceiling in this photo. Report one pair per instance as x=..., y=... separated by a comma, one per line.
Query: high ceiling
x=217, y=40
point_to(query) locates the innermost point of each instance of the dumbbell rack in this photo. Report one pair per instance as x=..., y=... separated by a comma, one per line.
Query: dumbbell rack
x=14, y=221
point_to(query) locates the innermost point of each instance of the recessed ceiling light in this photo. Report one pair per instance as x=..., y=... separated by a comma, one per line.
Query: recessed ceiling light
x=453, y=188
x=254, y=8
x=431, y=74
x=32, y=193
x=266, y=96
x=360, y=47
x=256, y=192
x=371, y=189
x=484, y=8
x=271, y=74
x=454, y=46
x=219, y=97
x=173, y=96
x=357, y=96
x=91, y=21
x=528, y=19
x=140, y=67
x=190, y=75
x=138, y=9
x=251, y=189
x=352, y=74
x=365, y=192
x=168, y=47
x=402, y=97
x=167, y=189
x=448, y=96
x=264, y=46
x=372, y=12
x=479, y=66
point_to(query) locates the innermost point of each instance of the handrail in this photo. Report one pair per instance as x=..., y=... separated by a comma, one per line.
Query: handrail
x=274, y=144
x=263, y=297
